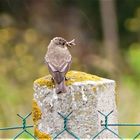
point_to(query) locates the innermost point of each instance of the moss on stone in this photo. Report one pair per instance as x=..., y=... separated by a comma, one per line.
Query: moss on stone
x=94, y=89
x=45, y=81
x=36, y=112
x=72, y=76
x=42, y=135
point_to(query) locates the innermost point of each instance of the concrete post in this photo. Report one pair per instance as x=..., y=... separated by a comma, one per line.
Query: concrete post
x=86, y=95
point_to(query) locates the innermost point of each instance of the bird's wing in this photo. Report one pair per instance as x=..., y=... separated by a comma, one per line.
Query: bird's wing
x=52, y=67
x=64, y=67
x=58, y=64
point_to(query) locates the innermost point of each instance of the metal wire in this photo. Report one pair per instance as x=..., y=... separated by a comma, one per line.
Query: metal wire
x=106, y=127
x=23, y=127
x=65, y=118
x=136, y=136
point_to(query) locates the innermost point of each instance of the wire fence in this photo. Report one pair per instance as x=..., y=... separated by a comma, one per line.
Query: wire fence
x=24, y=127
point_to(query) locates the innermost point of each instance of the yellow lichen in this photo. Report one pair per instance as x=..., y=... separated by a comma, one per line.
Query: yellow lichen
x=37, y=116
x=72, y=76
x=94, y=89
x=77, y=76
x=45, y=81
x=41, y=135
x=36, y=112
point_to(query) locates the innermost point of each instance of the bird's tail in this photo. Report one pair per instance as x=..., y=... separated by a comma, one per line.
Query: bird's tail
x=61, y=87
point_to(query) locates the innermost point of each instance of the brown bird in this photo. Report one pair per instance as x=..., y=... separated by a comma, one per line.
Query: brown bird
x=58, y=59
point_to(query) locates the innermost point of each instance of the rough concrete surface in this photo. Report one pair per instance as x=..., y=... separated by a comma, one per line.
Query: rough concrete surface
x=83, y=99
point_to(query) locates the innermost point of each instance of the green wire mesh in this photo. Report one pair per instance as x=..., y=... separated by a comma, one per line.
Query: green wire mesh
x=23, y=127
x=65, y=128
x=106, y=125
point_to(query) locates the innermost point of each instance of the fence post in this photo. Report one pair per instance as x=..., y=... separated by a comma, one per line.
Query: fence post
x=74, y=114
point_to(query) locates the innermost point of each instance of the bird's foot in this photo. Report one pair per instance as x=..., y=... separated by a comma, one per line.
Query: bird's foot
x=52, y=79
x=66, y=78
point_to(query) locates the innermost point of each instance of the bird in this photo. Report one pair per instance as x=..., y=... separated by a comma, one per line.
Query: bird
x=58, y=60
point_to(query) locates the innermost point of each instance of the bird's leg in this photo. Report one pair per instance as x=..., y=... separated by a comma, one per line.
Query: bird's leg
x=66, y=78
x=52, y=79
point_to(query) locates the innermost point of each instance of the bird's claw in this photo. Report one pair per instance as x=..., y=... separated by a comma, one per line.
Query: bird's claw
x=66, y=78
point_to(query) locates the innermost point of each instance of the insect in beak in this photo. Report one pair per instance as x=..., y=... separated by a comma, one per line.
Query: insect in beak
x=71, y=43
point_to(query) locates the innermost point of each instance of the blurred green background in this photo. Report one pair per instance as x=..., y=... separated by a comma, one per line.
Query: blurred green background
x=107, y=34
